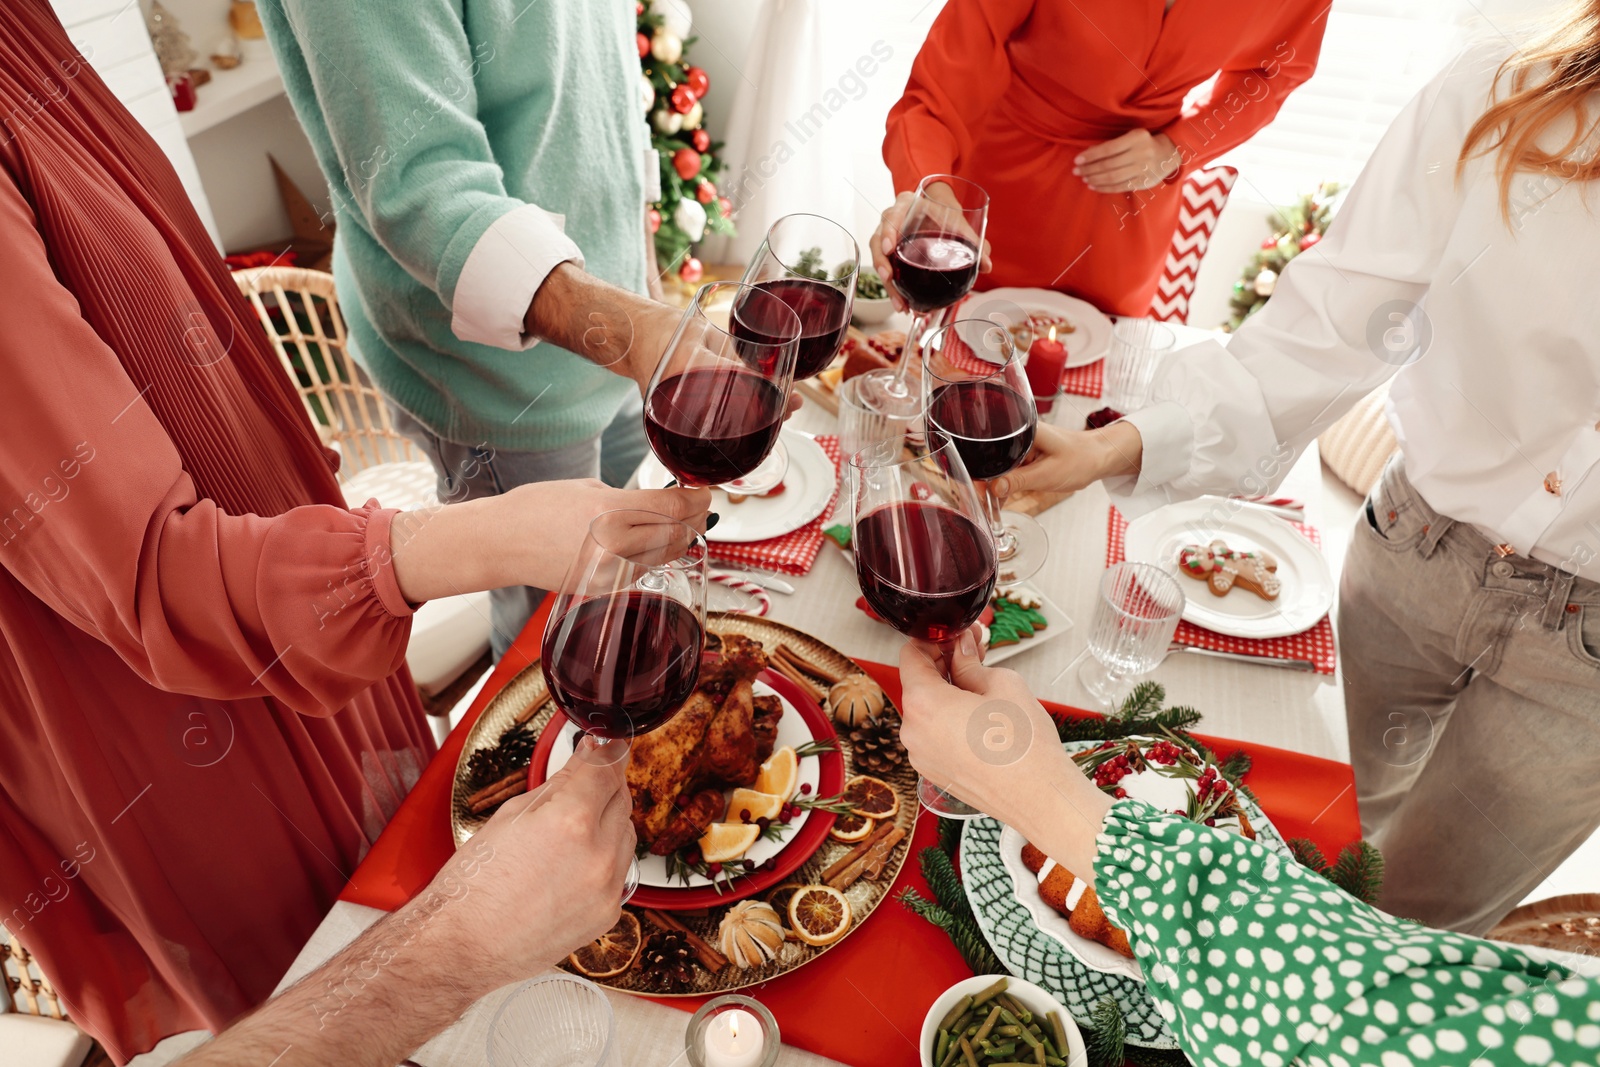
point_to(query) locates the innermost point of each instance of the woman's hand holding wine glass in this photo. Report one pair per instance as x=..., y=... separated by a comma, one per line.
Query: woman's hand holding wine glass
x=886, y=238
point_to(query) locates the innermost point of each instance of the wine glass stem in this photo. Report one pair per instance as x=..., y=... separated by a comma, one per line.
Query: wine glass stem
x=1005, y=542
x=897, y=385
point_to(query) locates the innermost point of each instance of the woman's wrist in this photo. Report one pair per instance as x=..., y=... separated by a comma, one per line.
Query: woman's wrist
x=1119, y=450
x=1062, y=816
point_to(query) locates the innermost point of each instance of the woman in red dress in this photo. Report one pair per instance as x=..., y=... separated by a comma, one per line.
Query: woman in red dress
x=1070, y=115
x=205, y=717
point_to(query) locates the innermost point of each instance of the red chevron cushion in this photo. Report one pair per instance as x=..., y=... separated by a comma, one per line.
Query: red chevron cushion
x=1204, y=194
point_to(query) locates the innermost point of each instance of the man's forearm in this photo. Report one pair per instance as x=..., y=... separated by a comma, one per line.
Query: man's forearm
x=372, y=1004
x=607, y=326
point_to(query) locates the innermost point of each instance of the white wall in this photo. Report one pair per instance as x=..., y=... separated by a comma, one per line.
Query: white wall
x=111, y=35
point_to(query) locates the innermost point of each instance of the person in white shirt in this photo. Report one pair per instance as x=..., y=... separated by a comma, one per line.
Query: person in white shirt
x=1464, y=265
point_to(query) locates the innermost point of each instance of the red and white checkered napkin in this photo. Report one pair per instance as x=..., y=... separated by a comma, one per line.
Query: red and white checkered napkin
x=1080, y=381
x=1315, y=644
x=793, y=552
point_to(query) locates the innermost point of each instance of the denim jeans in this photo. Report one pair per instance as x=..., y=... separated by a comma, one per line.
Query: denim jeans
x=1472, y=696
x=470, y=472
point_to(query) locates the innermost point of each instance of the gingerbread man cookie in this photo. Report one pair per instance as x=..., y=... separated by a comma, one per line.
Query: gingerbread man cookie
x=1222, y=568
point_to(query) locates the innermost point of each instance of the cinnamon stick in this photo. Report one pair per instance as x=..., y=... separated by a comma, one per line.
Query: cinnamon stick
x=878, y=858
x=495, y=788
x=515, y=789
x=878, y=834
x=528, y=712
x=807, y=686
x=847, y=877
x=806, y=666
x=709, y=957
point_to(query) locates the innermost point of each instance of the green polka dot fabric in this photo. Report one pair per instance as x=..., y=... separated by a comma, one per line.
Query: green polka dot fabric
x=1253, y=959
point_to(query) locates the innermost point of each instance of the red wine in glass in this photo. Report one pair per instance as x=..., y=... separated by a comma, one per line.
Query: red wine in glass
x=713, y=423
x=824, y=313
x=927, y=570
x=623, y=664
x=991, y=424
x=934, y=270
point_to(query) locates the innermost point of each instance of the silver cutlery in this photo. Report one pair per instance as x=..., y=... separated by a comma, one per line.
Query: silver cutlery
x=1239, y=657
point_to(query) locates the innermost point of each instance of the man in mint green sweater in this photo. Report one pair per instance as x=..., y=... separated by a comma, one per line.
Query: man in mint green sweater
x=488, y=166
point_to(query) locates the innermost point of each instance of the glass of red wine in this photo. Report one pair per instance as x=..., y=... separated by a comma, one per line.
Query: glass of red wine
x=622, y=645
x=924, y=555
x=934, y=264
x=978, y=398
x=717, y=400
x=810, y=263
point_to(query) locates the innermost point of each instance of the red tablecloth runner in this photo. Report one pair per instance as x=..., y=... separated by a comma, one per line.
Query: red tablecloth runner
x=1315, y=644
x=795, y=552
x=862, y=1003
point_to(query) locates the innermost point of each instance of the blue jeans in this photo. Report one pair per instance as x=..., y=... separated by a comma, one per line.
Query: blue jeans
x=470, y=472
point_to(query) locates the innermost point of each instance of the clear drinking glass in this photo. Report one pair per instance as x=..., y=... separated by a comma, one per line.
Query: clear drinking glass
x=934, y=264
x=1137, y=348
x=978, y=397
x=862, y=425
x=621, y=649
x=924, y=555
x=1134, y=620
x=555, y=1020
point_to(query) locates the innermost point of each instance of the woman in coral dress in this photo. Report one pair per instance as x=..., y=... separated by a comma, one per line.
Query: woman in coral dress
x=205, y=717
x=1071, y=116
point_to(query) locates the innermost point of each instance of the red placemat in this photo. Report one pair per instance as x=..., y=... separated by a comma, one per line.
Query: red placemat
x=863, y=1002
x=1315, y=644
x=794, y=552
x=1085, y=381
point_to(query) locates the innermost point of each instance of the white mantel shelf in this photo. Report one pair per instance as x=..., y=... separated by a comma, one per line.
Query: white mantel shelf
x=232, y=92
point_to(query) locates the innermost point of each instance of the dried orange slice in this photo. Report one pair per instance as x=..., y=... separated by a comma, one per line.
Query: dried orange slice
x=724, y=841
x=779, y=898
x=852, y=827
x=780, y=775
x=748, y=805
x=871, y=797
x=612, y=952
x=819, y=914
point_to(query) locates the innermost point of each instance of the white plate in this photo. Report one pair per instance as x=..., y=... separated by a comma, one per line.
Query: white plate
x=1307, y=591
x=1087, y=343
x=807, y=489
x=1060, y=622
x=792, y=731
x=1051, y=922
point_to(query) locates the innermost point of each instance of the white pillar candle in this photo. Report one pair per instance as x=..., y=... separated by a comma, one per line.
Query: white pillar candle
x=733, y=1038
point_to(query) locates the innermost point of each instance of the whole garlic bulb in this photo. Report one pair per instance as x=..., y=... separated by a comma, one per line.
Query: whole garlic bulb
x=751, y=934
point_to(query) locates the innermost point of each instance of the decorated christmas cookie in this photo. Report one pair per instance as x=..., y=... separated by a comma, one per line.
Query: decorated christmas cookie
x=1222, y=568
x=1016, y=618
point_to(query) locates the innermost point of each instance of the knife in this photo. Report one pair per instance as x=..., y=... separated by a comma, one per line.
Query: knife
x=1239, y=657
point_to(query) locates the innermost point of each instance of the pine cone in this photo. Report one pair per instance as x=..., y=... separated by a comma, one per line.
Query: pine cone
x=875, y=746
x=667, y=963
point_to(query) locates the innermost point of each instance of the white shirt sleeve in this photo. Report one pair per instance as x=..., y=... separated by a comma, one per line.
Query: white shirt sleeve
x=1347, y=313
x=503, y=272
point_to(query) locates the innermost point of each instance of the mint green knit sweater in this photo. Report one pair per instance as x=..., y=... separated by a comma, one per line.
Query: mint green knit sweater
x=433, y=118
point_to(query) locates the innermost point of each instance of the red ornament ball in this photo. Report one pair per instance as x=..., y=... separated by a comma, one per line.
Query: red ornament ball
x=1308, y=240
x=726, y=205
x=644, y=44
x=654, y=218
x=686, y=161
x=697, y=80
x=701, y=140
x=691, y=271
x=682, y=100
x=1269, y=243
x=638, y=9
x=706, y=192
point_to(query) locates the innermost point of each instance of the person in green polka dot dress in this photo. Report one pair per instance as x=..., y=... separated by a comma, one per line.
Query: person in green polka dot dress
x=1251, y=958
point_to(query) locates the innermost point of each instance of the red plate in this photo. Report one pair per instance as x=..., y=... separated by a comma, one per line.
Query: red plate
x=810, y=837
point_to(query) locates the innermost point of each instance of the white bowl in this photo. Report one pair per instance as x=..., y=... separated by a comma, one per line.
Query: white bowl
x=871, y=312
x=1037, y=1001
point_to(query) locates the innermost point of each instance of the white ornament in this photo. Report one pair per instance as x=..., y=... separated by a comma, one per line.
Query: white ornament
x=691, y=219
x=675, y=16
x=667, y=47
x=1266, y=281
x=667, y=121
x=647, y=92
x=694, y=116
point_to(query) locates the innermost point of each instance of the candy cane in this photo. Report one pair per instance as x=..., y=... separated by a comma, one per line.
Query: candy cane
x=751, y=589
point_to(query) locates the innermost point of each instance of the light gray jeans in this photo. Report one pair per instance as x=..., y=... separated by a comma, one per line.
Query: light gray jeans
x=1472, y=694
x=469, y=472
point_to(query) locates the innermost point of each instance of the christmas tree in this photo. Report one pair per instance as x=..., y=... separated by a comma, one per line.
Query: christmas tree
x=1299, y=228
x=690, y=206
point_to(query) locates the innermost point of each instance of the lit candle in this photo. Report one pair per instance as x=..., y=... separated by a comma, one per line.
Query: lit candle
x=733, y=1038
x=1047, y=361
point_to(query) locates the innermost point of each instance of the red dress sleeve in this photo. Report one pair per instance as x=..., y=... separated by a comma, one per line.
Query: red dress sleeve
x=961, y=71
x=1250, y=88
x=100, y=521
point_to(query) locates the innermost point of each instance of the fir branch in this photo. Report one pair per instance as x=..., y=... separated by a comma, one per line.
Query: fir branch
x=1106, y=1039
x=1307, y=854
x=927, y=909
x=1156, y=1057
x=1358, y=871
x=1145, y=700
x=940, y=874
x=950, y=836
x=964, y=934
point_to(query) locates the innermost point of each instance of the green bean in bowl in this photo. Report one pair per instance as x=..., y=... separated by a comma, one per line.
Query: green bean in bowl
x=991, y=1021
